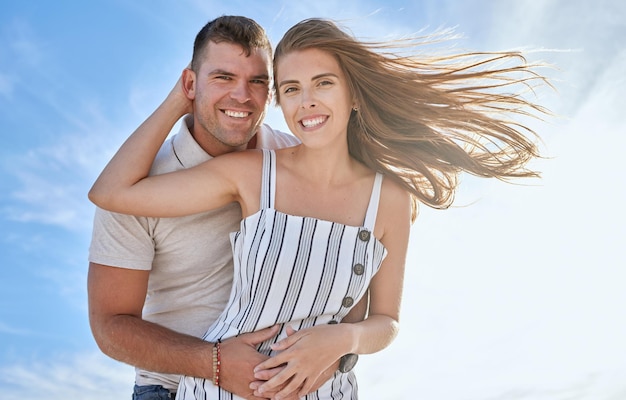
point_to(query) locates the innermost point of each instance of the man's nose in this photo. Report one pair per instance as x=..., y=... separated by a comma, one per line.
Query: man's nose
x=241, y=92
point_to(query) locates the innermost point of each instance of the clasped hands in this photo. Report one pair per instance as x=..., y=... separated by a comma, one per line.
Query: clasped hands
x=305, y=360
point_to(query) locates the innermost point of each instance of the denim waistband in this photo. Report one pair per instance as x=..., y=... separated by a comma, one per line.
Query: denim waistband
x=152, y=392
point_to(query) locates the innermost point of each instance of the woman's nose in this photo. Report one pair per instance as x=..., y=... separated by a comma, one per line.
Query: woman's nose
x=307, y=100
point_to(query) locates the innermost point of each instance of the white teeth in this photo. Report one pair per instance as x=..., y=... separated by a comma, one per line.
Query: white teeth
x=236, y=114
x=309, y=123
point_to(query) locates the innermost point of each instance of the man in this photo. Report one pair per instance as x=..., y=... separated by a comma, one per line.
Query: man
x=156, y=285
x=184, y=265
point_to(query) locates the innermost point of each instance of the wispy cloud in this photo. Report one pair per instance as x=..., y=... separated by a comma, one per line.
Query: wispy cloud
x=11, y=330
x=20, y=39
x=51, y=186
x=90, y=376
x=483, y=332
x=50, y=181
x=7, y=83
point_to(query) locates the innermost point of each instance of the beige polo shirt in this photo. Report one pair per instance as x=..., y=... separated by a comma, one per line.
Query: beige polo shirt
x=189, y=258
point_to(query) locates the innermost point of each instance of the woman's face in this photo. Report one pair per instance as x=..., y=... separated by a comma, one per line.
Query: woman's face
x=314, y=96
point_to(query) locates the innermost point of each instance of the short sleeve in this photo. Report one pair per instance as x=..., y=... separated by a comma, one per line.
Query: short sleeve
x=120, y=240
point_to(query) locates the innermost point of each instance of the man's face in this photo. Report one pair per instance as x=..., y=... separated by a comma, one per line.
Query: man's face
x=231, y=93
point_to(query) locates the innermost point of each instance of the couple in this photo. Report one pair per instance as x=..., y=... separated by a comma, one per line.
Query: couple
x=325, y=221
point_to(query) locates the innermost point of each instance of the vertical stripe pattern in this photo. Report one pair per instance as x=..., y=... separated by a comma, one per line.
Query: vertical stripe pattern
x=294, y=270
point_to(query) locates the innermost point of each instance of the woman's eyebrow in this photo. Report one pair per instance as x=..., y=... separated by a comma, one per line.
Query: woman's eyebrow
x=325, y=74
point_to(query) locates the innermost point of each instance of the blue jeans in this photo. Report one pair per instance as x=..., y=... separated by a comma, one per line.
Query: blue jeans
x=152, y=392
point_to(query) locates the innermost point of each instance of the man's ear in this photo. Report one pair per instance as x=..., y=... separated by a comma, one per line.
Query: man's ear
x=189, y=83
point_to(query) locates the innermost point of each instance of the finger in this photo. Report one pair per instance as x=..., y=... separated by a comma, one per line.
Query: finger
x=267, y=393
x=291, y=386
x=262, y=335
x=285, y=396
x=306, y=388
x=266, y=374
x=255, y=384
x=272, y=395
x=277, y=381
x=290, y=330
x=287, y=342
x=270, y=363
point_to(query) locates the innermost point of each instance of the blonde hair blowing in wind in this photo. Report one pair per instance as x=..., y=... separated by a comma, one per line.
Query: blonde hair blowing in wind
x=422, y=120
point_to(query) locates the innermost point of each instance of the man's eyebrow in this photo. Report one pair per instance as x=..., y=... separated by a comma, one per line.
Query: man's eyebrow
x=221, y=72
x=325, y=74
x=228, y=73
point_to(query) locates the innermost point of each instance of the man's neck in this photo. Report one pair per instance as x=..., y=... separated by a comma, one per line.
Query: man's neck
x=252, y=142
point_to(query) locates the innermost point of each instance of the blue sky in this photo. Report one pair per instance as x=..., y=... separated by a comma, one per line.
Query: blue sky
x=514, y=294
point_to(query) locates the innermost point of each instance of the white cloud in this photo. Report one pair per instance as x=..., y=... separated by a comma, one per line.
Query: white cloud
x=51, y=180
x=52, y=186
x=517, y=297
x=26, y=48
x=90, y=376
x=7, y=83
x=10, y=330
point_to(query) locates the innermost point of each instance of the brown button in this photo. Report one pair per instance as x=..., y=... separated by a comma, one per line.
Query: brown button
x=358, y=269
x=364, y=235
x=332, y=322
x=347, y=301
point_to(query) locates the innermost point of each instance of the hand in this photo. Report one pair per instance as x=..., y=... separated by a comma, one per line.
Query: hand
x=267, y=374
x=178, y=95
x=264, y=375
x=307, y=359
x=271, y=393
x=238, y=359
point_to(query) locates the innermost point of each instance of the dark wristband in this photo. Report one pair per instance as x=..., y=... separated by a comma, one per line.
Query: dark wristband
x=347, y=362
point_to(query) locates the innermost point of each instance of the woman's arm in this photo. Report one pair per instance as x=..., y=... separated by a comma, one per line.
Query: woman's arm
x=124, y=185
x=312, y=350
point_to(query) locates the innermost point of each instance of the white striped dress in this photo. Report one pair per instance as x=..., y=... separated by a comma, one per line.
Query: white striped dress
x=298, y=270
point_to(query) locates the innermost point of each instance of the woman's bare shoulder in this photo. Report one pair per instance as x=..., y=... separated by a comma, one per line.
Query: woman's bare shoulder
x=238, y=160
x=393, y=191
x=395, y=202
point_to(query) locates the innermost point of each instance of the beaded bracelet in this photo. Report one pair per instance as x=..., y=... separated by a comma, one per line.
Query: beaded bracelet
x=216, y=363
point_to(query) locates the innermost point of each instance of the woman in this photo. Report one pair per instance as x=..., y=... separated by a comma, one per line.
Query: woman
x=328, y=219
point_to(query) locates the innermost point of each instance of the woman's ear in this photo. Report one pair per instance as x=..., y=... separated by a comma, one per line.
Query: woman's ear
x=189, y=83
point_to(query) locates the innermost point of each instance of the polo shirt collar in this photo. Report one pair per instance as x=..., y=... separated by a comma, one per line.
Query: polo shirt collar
x=185, y=147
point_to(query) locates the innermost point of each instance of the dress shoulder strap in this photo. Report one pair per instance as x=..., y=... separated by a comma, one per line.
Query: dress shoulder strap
x=372, y=208
x=268, y=179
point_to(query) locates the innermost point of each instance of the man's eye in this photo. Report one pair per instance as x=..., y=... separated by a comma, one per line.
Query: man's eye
x=224, y=77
